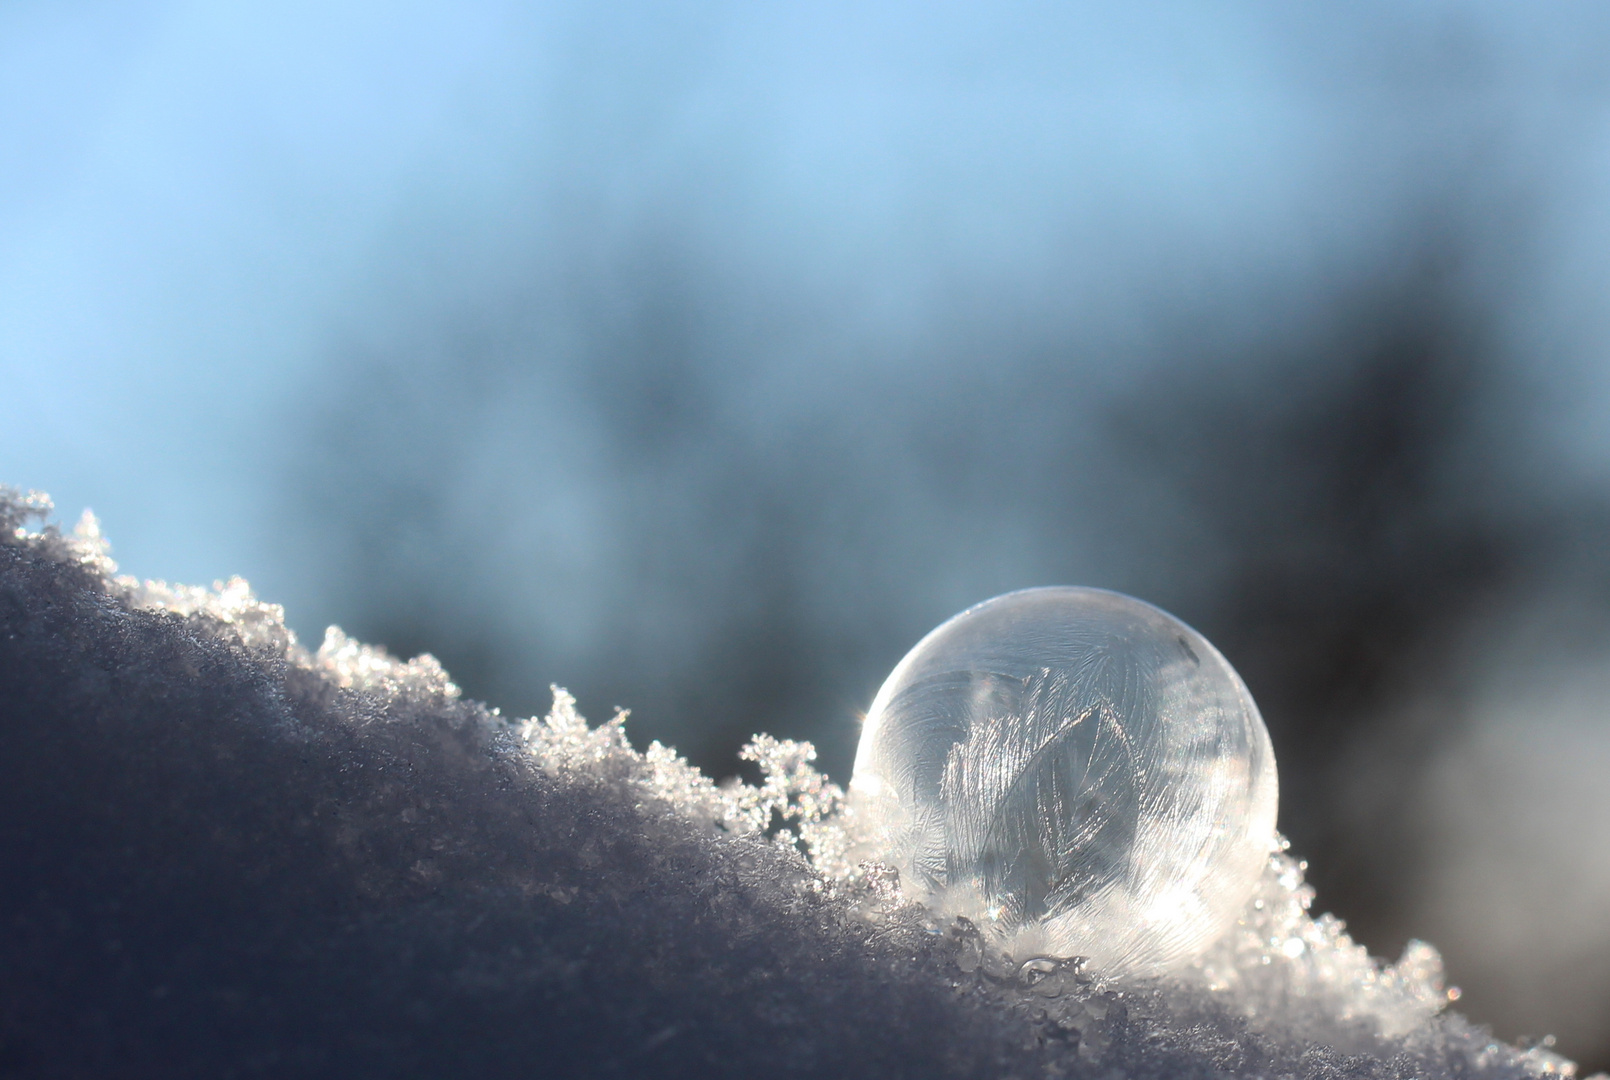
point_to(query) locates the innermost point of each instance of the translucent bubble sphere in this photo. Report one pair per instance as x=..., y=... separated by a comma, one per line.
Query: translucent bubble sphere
x=1078, y=772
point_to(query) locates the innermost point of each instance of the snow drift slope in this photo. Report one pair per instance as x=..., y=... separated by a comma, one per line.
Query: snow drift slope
x=223, y=855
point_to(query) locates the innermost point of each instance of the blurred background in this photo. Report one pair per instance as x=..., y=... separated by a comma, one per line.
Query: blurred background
x=702, y=356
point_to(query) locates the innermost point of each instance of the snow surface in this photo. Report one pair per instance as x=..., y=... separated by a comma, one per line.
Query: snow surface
x=224, y=855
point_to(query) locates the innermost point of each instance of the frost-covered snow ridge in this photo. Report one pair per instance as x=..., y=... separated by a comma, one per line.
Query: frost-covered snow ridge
x=221, y=854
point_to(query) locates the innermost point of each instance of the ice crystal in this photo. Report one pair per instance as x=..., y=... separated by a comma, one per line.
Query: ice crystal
x=1077, y=772
x=794, y=804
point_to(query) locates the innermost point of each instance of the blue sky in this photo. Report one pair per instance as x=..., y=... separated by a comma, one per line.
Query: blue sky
x=205, y=207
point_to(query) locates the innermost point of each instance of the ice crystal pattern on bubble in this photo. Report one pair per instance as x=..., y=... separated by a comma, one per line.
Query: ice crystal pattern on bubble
x=1076, y=771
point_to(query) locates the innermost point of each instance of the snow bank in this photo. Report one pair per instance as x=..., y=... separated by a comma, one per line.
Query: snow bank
x=222, y=854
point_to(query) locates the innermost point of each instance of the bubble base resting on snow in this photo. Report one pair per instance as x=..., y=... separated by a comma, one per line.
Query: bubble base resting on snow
x=221, y=854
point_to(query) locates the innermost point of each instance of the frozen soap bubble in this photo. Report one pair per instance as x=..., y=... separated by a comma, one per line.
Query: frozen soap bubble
x=1076, y=771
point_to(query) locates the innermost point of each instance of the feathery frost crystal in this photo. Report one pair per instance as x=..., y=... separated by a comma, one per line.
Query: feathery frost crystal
x=1076, y=771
